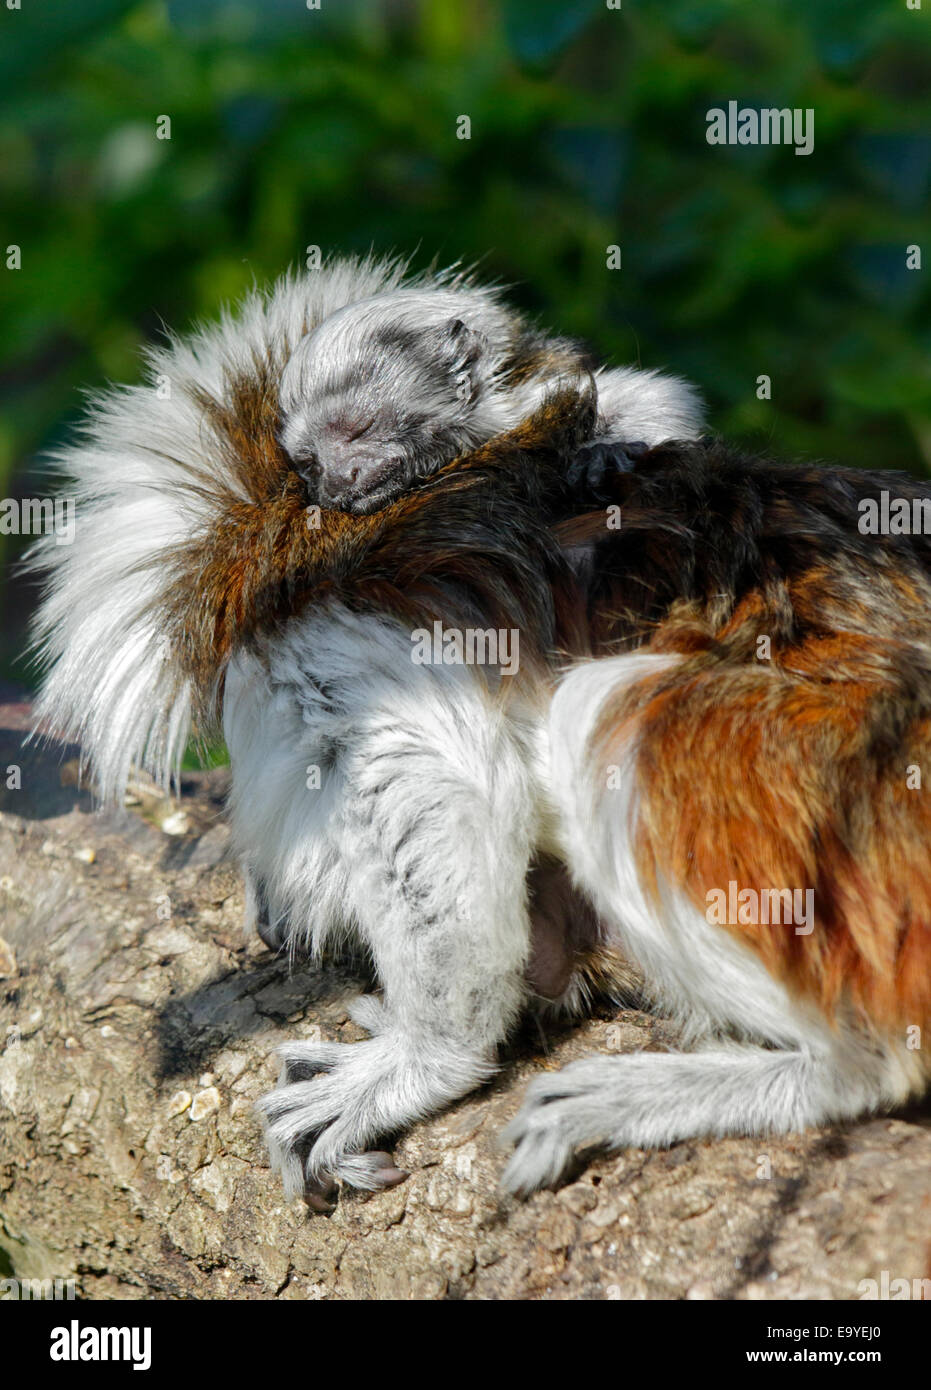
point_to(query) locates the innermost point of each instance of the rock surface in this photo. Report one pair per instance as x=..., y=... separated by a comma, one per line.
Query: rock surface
x=137, y=1029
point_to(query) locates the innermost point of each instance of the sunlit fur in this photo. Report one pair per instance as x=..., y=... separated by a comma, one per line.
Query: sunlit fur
x=155, y=466
x=493, y=841
x=706, y=755
x=388, y=390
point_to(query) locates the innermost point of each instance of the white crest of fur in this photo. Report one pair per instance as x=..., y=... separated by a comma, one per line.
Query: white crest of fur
x=651, y=406
x=110, y=683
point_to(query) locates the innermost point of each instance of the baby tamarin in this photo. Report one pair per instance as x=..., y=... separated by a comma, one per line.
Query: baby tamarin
x=389, y=389
x=693, y=781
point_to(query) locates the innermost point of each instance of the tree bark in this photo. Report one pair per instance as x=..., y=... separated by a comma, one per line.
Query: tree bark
x=137, y=1030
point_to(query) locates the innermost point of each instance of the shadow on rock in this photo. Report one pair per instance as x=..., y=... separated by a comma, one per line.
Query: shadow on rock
x=192, y=1028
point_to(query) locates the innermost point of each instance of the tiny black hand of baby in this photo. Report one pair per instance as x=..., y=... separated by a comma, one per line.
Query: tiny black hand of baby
x=590, y=473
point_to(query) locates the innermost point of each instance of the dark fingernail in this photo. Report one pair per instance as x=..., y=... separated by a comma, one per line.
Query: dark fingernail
x=317, y=1202
x=320, y=1194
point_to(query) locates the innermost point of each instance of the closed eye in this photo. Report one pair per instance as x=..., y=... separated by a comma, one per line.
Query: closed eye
x=360, y=430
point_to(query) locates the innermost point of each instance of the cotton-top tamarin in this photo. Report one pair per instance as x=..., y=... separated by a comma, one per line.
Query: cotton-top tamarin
x=703, y=762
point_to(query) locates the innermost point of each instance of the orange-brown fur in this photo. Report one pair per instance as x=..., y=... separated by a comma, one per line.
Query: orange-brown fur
x=447, y=547
x=783, y=772
x=790, y=771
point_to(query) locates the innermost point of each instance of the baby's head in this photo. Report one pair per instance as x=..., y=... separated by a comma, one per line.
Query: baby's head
x=390, y=389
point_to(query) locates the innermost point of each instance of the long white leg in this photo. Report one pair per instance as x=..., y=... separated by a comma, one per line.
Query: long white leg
x=426, y=810
x=650, y=1100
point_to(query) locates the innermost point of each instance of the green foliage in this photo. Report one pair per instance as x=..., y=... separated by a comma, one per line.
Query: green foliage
x=337, y=127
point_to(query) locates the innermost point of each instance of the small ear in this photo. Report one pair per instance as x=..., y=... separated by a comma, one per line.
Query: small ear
x=459, y=345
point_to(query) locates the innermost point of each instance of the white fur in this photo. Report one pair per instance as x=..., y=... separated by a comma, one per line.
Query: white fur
x=766, y=1061
x=435, y=791
x=417, y=841
x=109, y=683
x=650, y=406
x=141, y=477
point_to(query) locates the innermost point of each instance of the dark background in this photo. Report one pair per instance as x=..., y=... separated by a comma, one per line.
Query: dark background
x=337, y=128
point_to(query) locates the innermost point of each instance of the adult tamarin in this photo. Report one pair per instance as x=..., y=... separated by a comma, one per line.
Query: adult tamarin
x=678, y=759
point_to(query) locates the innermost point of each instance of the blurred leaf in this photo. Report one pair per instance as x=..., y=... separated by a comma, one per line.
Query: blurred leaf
x=536, y=33
x=337, y=127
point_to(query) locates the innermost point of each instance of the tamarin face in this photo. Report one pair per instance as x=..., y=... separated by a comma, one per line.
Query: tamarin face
x=379, y=395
